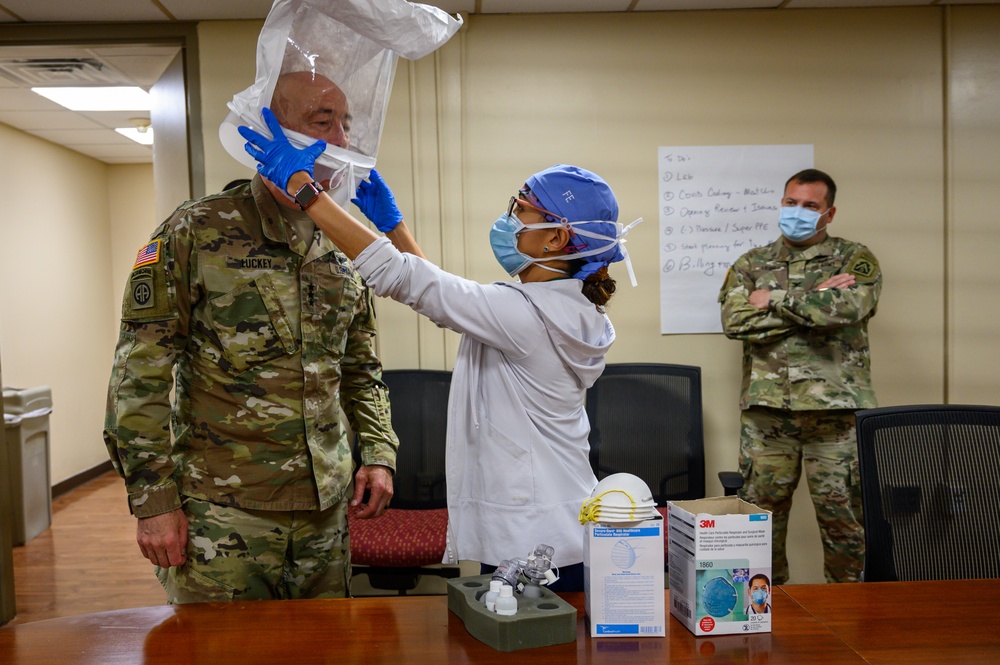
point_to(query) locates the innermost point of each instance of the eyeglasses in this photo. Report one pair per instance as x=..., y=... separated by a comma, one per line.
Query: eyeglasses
x=521, y=201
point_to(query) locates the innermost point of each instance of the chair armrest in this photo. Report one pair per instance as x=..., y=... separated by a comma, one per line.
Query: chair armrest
x=732, y=481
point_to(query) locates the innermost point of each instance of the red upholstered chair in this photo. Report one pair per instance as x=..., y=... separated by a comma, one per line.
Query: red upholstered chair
x=395, y=549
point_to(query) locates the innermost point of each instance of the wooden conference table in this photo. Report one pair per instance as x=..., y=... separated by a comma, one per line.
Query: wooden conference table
x=899, y=622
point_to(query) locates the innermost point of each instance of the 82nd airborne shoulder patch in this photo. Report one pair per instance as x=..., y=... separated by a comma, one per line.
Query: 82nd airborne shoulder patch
x=146, y=296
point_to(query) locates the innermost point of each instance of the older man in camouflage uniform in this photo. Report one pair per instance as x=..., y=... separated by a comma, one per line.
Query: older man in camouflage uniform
x=801, y=307
x=265, y=331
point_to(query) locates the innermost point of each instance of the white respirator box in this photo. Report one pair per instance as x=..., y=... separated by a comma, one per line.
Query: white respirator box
x=624, y=579
x=719, y=550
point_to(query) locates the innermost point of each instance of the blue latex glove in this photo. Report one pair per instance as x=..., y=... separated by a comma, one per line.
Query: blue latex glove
x=375, y=200
x=278, y=158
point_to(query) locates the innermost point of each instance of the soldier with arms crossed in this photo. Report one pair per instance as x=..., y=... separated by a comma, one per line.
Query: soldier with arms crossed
x=801, y=307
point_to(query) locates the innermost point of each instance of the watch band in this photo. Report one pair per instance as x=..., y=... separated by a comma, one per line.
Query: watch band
x=307, y=194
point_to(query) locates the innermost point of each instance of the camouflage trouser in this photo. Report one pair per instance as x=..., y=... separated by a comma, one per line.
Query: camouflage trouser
x=236, y=554
x=774, y=446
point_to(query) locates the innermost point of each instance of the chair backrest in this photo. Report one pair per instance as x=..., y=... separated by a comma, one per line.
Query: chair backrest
x=419, y=400
x=930, y=478
x=645, y=419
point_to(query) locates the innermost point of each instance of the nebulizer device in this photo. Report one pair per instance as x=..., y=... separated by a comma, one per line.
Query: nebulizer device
x=526, y=576
x=353, y=44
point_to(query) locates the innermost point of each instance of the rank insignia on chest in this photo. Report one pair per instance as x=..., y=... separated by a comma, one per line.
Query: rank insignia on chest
x=148, y=255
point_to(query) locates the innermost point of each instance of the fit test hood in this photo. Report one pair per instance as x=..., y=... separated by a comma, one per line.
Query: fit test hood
x=354, y=44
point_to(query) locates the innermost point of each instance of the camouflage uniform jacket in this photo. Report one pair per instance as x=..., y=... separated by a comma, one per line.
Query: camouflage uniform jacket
x=267, y=341
x=809, y=349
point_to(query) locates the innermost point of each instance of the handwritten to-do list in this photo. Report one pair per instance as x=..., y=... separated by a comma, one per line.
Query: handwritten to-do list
x=716, y=202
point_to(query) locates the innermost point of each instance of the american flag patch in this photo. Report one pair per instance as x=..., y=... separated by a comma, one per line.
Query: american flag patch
x=148, y=254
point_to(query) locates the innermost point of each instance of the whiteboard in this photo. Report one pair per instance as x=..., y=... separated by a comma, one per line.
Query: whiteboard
x=716, y=202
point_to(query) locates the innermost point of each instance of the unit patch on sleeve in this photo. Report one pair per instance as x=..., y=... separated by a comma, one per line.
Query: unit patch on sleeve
x=147, y=297
x=864, y=268
x=141, y=288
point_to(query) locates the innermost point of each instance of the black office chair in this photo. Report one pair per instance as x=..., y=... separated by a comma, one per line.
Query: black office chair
x=645, y=419
x=395, y=549
x=930, y=479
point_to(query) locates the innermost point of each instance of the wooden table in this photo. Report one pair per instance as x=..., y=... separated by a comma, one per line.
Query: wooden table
x=899, y=623
x=904, y=622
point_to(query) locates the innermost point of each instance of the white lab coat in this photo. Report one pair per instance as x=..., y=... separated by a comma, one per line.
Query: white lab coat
x=517, y=450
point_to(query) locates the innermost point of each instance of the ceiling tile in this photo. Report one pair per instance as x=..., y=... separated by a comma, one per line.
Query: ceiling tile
x=101, y=150
x=89, y=10
x=143, y=70
x=804, y=4
x=78, y=137
x=29, y=120
x=124, y=158
x=663, y=5
x=532, y=6
x=23, y=99
x=454, y=6
x=112, y=119
x=200, y=10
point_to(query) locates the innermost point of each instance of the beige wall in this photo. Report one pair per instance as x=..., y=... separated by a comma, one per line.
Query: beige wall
x=974, y=175
x=133, y=217
x=55, y=260
x=227, y=52
x=915, y=166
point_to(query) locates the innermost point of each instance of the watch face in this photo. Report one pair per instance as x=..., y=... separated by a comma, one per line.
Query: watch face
x=307, y=194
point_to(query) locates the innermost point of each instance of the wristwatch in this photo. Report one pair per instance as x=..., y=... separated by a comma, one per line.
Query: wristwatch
x=307, y=194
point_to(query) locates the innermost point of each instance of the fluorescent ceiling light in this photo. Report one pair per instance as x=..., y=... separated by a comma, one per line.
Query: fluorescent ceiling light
x=121, y=98
x=144, y=137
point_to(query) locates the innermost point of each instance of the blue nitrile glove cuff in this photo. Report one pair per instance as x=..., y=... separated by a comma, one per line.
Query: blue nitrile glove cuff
x=278, y=158
x=375, y=200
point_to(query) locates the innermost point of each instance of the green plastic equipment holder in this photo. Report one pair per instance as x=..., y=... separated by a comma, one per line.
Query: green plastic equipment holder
x=539, y=622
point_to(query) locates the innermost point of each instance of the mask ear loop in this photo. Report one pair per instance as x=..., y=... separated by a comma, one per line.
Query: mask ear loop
x=622, y=232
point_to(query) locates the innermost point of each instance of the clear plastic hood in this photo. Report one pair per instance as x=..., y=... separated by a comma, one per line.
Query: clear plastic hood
x=325, y=67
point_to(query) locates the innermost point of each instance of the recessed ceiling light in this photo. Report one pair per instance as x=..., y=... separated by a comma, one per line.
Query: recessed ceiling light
x=144, y=137
x=120, y=98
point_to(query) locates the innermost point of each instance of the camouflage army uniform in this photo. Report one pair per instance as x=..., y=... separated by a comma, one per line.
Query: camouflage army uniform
x=268, y=337
x=806, y=369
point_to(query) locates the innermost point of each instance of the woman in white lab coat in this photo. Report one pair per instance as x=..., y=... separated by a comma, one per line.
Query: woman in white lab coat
x=517, y=449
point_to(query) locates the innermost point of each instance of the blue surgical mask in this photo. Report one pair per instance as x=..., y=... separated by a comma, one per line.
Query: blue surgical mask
x=503, y=241
x=758, y=596
x=798, y=223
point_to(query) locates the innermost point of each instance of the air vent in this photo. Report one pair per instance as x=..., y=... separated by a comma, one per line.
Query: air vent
x=51, y=72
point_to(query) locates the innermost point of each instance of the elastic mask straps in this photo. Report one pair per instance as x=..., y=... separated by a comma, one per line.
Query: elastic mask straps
x=619, y=240
x=628, y=260
x=590, y=511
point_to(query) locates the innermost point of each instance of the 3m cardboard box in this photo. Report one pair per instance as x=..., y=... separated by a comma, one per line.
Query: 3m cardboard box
x=720, y=565
x=623, y=579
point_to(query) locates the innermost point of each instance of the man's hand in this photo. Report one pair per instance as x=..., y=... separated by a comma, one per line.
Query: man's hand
x=760, y=298
x=163, y=538
x=378, y=480
x=841, y=281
